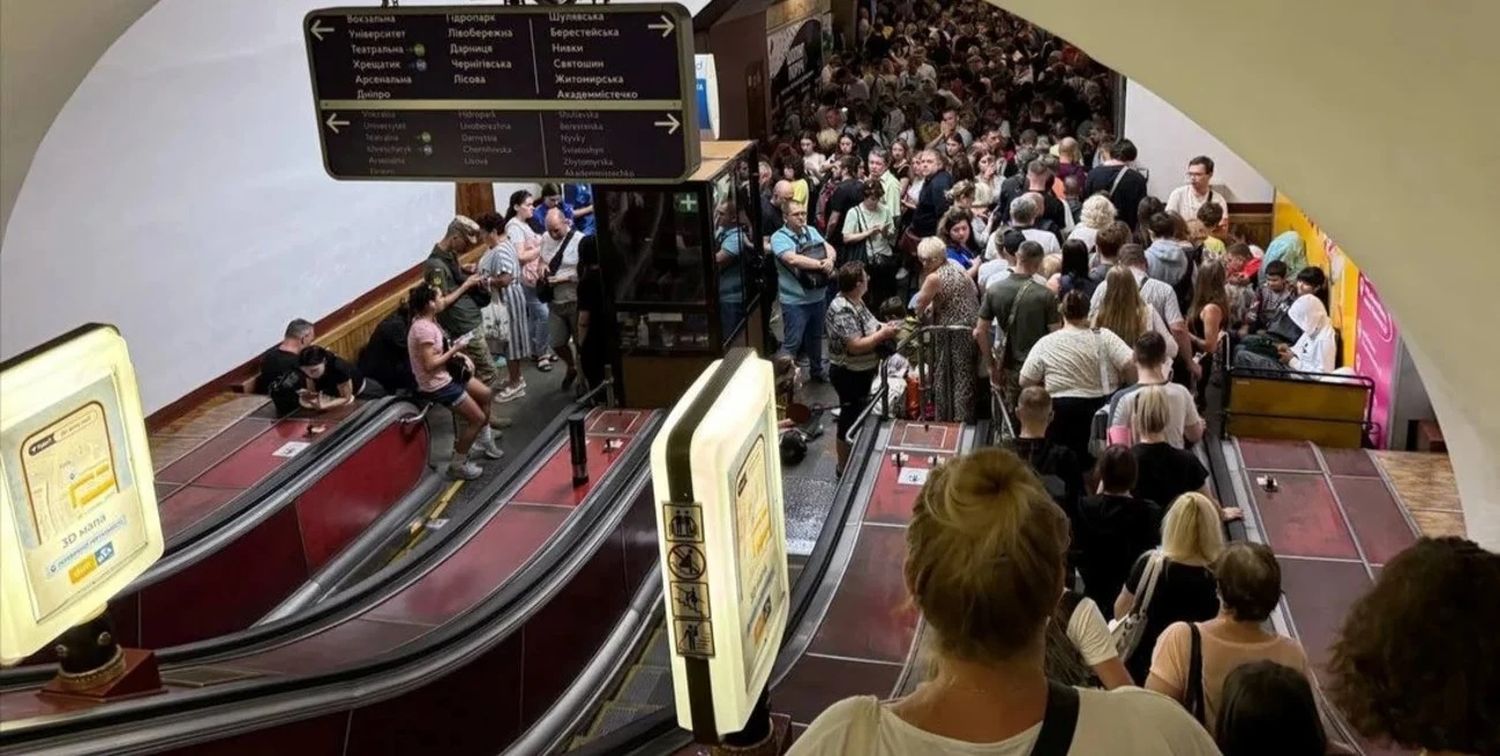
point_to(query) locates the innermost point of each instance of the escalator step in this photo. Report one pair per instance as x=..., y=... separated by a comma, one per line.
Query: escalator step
x=646, y=684
x=615, y=715
x=657, y=654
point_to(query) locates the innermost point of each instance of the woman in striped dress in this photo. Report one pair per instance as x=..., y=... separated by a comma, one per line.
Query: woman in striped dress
x=503, y=267
x=527, y=243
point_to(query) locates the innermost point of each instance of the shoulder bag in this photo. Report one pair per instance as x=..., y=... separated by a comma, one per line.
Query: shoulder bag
x=1192, y=696
x=810, y=279
x=1002, y=343
x=544, y=283
x=1127, y=631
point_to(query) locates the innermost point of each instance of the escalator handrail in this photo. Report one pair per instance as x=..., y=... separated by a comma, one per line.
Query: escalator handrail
x=662, y=722
x=260, y=502
x=280, y=477
x=360, y=597
x=352, y=600
x=216, y=712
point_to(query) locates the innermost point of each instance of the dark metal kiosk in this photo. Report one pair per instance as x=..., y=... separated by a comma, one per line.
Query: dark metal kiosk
x=686, y=278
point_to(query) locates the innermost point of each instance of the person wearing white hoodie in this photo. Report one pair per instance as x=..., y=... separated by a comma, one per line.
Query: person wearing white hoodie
x=1317, y=348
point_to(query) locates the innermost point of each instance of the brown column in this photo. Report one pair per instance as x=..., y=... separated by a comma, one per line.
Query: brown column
x=474, y=200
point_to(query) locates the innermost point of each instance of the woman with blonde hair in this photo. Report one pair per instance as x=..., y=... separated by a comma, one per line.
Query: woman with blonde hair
x=1192, y=536
x=1123, y=311
x=1098, y=212
x=986, y=557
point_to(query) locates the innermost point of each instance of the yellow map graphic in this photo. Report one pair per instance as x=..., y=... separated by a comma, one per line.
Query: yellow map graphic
x=69, y=466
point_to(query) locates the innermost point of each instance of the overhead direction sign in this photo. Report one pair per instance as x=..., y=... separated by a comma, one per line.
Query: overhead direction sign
x=502, y=93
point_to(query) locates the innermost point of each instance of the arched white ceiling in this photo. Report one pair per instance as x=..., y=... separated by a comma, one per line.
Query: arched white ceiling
x=1376, y=117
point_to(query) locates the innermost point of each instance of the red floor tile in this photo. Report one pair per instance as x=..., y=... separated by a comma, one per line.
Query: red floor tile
x=938, y=437
x=255, y=460
x=896, y=489
x=189, y=504
x=553, y=482
x=1318, y=595
x=1355, y=462
x=1278, y=455
x=871, y=616
x=1382, y=531
x=212, y=451
x=512, y=536
x=342, y=644
x=1301, y=519
x=815, y=682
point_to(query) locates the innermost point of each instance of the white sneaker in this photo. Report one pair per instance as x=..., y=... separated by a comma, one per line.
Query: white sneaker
x=465, y=470
x=511, y=393
x=487, y=447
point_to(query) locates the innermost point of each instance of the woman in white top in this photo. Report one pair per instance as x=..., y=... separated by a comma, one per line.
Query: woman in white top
x=1080, y=367
x=1081, y=627
x=812, y=160
x=1249, y=581
x=1316, y=350
x=1098, y=212
x=986, y=553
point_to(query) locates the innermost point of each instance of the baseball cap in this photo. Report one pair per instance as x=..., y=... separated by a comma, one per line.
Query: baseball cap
x=464, y=226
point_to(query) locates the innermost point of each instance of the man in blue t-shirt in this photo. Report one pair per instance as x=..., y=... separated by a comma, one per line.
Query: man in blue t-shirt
x=729, y=242
x=799, y=248
x=580, y=197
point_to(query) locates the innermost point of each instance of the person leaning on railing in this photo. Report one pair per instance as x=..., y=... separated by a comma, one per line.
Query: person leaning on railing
x=855, y=339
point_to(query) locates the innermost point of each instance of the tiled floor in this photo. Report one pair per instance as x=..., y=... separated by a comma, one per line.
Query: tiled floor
x=174, y=440
x=1425, y=486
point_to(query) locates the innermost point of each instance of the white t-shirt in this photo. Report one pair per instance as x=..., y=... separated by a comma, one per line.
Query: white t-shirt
x=1182, y=413
x=1066, y=363
x=1186, y=203
x=1047, y=239
x=1090, y=633
x=1088, y=236
x=1122, y=722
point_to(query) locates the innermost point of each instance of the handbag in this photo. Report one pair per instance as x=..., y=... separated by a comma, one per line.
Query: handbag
x=544, y=283
x=857, y=250
x=1127, y=631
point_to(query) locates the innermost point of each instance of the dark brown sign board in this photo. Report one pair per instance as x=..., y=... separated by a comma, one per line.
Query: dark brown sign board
x=502, y=93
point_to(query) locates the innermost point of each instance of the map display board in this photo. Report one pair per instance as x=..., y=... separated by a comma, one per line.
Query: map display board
x=78, y=517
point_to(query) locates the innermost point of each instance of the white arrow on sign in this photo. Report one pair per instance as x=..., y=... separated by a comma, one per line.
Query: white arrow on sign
x=671, y=124
x=666, y=25
x=334, y=123
x=318, y=30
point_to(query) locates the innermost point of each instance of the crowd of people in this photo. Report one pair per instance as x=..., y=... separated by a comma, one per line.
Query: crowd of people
x=960, y=169
x=966, y=166
x=528, y=298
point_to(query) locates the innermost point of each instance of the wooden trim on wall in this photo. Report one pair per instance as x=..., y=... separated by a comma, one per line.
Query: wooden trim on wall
x=329, y=329
x=1250, y=208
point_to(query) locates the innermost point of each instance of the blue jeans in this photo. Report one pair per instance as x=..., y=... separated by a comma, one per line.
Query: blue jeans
x=802, y=325
x=537, y=312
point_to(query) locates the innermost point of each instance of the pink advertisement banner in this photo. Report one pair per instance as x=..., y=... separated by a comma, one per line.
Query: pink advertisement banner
x=1375, y=355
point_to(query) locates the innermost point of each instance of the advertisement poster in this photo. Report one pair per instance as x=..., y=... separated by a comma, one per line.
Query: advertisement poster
x=759, y=576
x=1376, y=355
x=706, y=76
x=794, y=56
x=1324, y=252
x=68, y=472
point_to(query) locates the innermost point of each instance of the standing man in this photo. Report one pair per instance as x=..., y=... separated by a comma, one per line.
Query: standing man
x=560, y=257
x=799, y=248
x=1025, y=310
x=1186, y=200
x=849, y=192
x=933, y=200
x=1119, y=180
x=580, y=197
x=462, y=296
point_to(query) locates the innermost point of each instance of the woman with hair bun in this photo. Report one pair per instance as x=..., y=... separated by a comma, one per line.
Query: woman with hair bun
x=985, y=563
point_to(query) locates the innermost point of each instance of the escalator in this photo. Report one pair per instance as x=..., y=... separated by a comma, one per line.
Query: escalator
x=304, y=522
x=850, y=630
x=417, y=655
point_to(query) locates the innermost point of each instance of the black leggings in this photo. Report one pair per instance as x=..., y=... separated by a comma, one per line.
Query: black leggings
x=853, y=387
x=1072, y=418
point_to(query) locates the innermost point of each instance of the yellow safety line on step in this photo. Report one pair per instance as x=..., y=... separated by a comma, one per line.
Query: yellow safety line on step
x=418, y=529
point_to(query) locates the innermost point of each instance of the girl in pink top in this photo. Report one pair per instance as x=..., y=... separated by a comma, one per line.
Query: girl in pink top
x=429, y=351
